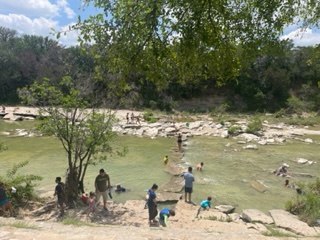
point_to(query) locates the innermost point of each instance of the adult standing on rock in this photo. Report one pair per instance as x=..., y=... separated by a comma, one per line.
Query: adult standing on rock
x=152, y=203
x=188, y=184
x=179, y=141
x=102, y=184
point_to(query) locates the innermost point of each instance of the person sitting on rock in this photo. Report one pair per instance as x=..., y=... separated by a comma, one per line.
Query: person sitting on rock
x=85, y=198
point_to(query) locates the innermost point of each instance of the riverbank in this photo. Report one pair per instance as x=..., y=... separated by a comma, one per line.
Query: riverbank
x=132, y=214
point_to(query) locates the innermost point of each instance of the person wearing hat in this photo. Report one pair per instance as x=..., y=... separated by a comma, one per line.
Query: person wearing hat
x=282, y=170
x=102, y=184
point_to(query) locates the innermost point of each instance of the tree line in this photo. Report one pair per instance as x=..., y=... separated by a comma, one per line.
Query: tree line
x=284, y=77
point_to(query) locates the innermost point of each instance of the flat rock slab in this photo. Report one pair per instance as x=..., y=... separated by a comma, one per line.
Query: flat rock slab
x=258, y=186
x=290, y=222
x=168, y=197
x=254, y=215
x=174, y=169
x=175, y=185
x=225, y=208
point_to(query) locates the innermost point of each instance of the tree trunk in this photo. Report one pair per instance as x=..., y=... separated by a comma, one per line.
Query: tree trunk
x=71, y=187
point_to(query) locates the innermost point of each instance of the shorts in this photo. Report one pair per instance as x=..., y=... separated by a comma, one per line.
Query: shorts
x=103, y=194
x=188, y=189
x=60, y=201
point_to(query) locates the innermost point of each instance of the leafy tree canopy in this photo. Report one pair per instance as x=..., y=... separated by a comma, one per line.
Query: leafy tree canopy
x=186, y=40
x=85, y=134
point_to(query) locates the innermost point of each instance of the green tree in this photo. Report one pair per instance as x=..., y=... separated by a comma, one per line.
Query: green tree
x=186, y=41
x=85, y=134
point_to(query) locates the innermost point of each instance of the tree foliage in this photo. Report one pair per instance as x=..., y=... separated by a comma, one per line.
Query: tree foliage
x=23, y=183
x=85, y=134
x=307, y=203
x=187, y=41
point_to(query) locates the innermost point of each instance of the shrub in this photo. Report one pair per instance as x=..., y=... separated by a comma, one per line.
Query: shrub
x=234, y=129
x=23, y=183
x=148, y=116
x=307, y=204
x=254, y=126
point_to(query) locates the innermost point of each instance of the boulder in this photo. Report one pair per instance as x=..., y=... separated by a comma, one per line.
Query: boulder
x=288, y=221
x=254, y=215
x=302, y=160
x=251, y=146
x=151, y=132
x=195, y=125
x=225, y=208
x=308, y=140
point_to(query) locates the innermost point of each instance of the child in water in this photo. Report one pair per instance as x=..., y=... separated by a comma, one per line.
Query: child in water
x=165, y=160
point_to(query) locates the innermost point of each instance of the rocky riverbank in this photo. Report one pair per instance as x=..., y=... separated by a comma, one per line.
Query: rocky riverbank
x=130, y=220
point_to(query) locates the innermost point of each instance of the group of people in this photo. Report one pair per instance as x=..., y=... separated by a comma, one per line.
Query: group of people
x=153, y=211
x=102, y=189
x=134, y=119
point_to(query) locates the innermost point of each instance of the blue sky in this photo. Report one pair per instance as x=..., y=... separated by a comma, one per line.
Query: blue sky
x=37, y=17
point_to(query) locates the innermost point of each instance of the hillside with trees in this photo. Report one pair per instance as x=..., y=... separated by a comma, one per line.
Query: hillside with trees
x=285, y=77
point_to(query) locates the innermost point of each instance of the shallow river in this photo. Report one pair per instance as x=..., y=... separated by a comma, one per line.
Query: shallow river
x=228, y=172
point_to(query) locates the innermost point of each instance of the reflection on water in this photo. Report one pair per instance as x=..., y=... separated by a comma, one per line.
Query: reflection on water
x=229, y=173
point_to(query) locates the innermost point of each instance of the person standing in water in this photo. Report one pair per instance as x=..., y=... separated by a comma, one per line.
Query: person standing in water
x=179, y=141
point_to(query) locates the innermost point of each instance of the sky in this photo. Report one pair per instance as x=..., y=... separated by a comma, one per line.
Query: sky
x=38, y=17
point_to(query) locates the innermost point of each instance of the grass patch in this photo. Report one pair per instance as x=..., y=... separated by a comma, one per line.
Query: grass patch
x=221, y=219
x=272, y=232
x=18, y=225
x=76, y=222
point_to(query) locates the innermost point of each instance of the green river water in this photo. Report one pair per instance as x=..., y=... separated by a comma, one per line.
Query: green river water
x=227, y=174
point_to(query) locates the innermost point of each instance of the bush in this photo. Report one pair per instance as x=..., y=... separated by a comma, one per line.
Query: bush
x=23, y=183
x=234, y=130
x=148, y=116
x=307, y=204
x=254, y=126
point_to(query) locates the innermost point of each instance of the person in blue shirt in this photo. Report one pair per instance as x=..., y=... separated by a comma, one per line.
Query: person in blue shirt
x=152, y=204
x=164, y=215
x=188, y=183
x=205, y=205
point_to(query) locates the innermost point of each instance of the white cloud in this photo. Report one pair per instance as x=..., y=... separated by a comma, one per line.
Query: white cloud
x=38, y=26
x=25, y=25
x=31, y=8
x=303, y=37
x=67, y=10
